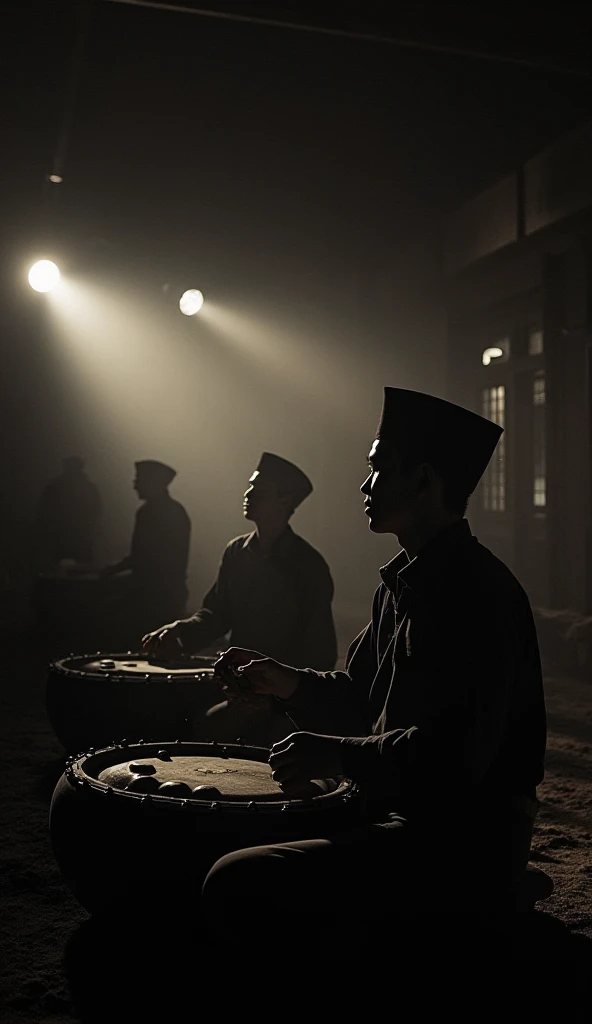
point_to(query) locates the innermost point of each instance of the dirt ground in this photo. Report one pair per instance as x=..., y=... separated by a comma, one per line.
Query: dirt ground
x=55, y=968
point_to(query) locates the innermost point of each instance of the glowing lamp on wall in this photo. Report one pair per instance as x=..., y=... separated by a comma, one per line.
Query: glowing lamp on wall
x=490, y=354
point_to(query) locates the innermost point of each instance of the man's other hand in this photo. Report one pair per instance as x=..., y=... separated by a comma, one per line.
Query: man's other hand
x=257, y=673
x=165, y=640
x=303, y=756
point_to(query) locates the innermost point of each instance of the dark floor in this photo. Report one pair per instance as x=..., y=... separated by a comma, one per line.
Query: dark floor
x=57, y=965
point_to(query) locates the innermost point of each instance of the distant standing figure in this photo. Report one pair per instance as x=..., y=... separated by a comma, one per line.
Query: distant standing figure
x=67, y=516
x=159, y=550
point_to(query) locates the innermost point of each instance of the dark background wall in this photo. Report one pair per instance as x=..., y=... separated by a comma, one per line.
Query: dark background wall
x=300, y=181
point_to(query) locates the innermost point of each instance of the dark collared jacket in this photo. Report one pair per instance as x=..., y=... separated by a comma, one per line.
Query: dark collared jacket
x=441, y=704
x=278, y=604
x=160, y=548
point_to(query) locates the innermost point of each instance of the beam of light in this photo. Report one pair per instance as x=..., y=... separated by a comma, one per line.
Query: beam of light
x=191, y=302
x=126, y=379
x=137, y=380
x=315, y=367
x=491, y=353
x=130, y=380
x=43, y=276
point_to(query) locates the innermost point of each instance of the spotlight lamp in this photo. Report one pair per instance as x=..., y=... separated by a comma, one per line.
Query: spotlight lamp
x=191, y=302
x=44, y=275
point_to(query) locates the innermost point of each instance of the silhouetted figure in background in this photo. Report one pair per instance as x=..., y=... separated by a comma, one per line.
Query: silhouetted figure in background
x=273, y=590
x=67, y=517
x=439, y=716
x=157, y=585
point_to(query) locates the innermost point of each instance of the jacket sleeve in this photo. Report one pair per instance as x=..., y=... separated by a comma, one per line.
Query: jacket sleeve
x=139, y=548
x=176, y=546
x=336, y=703
x=164, y=544
x=318, y=644
x=131, y=560
x=468, y=676
x=213, y=618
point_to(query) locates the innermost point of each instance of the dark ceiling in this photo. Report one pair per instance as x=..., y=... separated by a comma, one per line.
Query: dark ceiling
x=556, y=36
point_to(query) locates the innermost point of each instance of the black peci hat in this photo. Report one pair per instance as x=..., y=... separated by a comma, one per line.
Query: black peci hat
x=458, y=442
x=285, y=474
x=161, y=474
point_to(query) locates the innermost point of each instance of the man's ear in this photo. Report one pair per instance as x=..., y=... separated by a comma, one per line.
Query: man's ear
x=424, y=476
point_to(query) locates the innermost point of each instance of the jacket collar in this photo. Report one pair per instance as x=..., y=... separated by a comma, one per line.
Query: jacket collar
x=417, y=572
x=281, y=546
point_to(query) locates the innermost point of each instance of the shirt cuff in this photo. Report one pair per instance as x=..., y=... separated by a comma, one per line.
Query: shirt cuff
x=360, y=757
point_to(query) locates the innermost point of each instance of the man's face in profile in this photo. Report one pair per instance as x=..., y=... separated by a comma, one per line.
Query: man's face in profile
x=262, y=500
x=389, y=493
x=146, y=487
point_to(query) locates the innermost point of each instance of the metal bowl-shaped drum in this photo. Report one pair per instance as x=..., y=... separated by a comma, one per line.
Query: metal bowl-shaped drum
x=135, y=828
x=92, y=699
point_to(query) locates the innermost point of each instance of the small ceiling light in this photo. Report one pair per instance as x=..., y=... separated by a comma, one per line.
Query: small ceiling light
x=56, y=178
x=43, y=276
x=191, y=302
x=491, y=353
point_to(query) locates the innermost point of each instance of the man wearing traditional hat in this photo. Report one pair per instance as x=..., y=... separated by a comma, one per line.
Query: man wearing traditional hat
x=439, y=716
x=159, y=550
x=273, y=591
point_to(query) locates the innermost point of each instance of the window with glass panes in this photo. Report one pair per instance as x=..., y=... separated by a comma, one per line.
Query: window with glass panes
x=535, y=342
x=494, y=480
x=539, y=491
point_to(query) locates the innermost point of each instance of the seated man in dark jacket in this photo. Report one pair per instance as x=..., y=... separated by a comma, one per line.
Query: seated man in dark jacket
x=439, y=716
x=273, y=592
